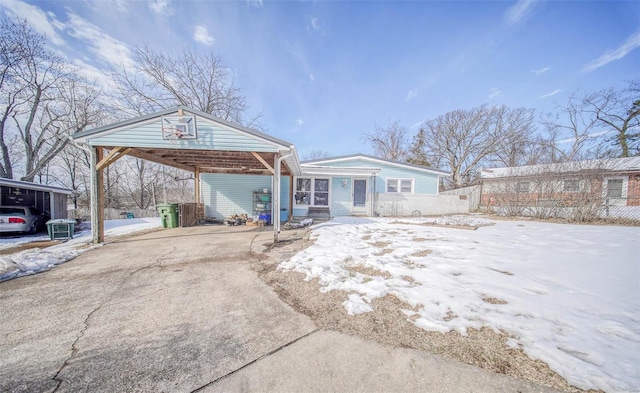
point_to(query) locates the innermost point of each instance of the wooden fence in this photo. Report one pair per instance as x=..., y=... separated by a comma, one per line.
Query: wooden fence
x=191, y=214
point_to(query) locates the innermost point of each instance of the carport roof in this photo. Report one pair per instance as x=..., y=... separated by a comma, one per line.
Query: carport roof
x=82, y=136
x=240, y=150
x=34, y=186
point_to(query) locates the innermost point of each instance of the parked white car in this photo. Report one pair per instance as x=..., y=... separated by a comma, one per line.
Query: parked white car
x=22, y=219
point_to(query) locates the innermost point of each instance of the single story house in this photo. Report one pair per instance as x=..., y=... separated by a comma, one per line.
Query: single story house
x=361, y=184
x=50, y=199
x=602, y=188
x=234, y=167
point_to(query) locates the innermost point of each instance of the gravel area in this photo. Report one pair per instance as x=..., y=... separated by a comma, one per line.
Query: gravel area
x=388, y=325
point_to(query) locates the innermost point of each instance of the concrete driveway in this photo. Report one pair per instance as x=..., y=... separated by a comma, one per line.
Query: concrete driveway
x=180, y=310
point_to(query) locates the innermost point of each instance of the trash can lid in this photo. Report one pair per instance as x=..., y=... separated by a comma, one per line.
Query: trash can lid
x=62, y=221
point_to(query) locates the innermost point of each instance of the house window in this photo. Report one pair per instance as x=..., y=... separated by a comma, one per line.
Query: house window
x=614, y=188
x=400, y=185
x=303, y=191
x=312, y=192
x=321, y=192
x=572, y=185
x=522, y=186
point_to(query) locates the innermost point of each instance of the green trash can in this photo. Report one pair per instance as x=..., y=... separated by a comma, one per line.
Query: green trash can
x=168, y=215
x=61, y=228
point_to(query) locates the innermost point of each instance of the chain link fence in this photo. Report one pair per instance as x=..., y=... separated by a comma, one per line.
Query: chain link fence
x=578, y=208
x=84, y=214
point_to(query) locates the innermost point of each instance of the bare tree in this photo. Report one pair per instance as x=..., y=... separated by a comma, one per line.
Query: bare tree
x=463, y=140
x=138, y=188
x=315, y=154
x=156, y=81
x=389, y=142
x=516, y=128
x=570, y=130
x=617, y=112
x=43, y=100
x=596, y=125
x=72, y=166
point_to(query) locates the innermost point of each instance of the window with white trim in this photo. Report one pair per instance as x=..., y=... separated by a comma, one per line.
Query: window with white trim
x=572, y=185
x=522, y=186
x=312, y=191
x=614, y=188
x=400, y=186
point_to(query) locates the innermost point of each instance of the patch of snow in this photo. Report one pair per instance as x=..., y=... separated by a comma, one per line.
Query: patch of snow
x=568, y=295
x=37, y=260
x=356, y=304
x=14, y=241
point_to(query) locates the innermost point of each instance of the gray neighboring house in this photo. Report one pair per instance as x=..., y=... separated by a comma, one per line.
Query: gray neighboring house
x=49, y=199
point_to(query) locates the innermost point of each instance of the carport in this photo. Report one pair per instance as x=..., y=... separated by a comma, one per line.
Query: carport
x=190, y=140
x=44, y=197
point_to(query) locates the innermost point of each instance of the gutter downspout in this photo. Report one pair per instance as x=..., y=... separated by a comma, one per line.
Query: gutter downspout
x=276, y=194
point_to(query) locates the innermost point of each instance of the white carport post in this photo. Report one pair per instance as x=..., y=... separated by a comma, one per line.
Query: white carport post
x=275, y=210
x=52, y=204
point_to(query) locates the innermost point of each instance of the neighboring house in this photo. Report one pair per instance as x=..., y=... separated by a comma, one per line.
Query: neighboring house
x=50, y=199
x=360, y=184
x=588, y=189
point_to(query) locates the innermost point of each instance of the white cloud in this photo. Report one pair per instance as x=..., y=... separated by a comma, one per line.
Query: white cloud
x=255, y=3
x=417, y=124
x=162, y=7
x=42, y=22
x=299, y=122
x=200, y=34
x=553, y=93
x=519, y=11
x=313, y=24
x=495, y=92
x=411, y=94
x=105, y=47
x=92, y=73
x=633, y=42
x=541, y=70
x=312, y=77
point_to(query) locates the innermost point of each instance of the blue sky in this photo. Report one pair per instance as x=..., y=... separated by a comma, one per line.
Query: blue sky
x=324, y=73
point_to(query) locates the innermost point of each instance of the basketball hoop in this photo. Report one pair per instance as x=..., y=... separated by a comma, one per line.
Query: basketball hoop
x=172, y=134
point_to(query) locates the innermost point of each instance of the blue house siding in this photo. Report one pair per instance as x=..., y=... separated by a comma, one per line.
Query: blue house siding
x=224, y=195
x=284, y=195
x=341, y=197
x=425, y=183
x=210, y=136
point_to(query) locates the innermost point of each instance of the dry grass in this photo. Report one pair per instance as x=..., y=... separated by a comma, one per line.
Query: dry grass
x=493, y=300
x=502, y=271
x=433, y=224
x=421, y=253
x=382, y=252
x=421, y=239
x=388, y=325
x=368, y=271
x=410, y=279
x=380, y=244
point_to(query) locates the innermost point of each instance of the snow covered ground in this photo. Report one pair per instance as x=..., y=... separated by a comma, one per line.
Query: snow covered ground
x=36, y=260
x=568, y=295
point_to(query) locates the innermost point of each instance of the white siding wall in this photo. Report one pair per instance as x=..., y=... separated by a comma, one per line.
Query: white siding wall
x=391, y=205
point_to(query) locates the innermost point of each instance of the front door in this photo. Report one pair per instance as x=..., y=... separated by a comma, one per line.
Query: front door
x=359, y=200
